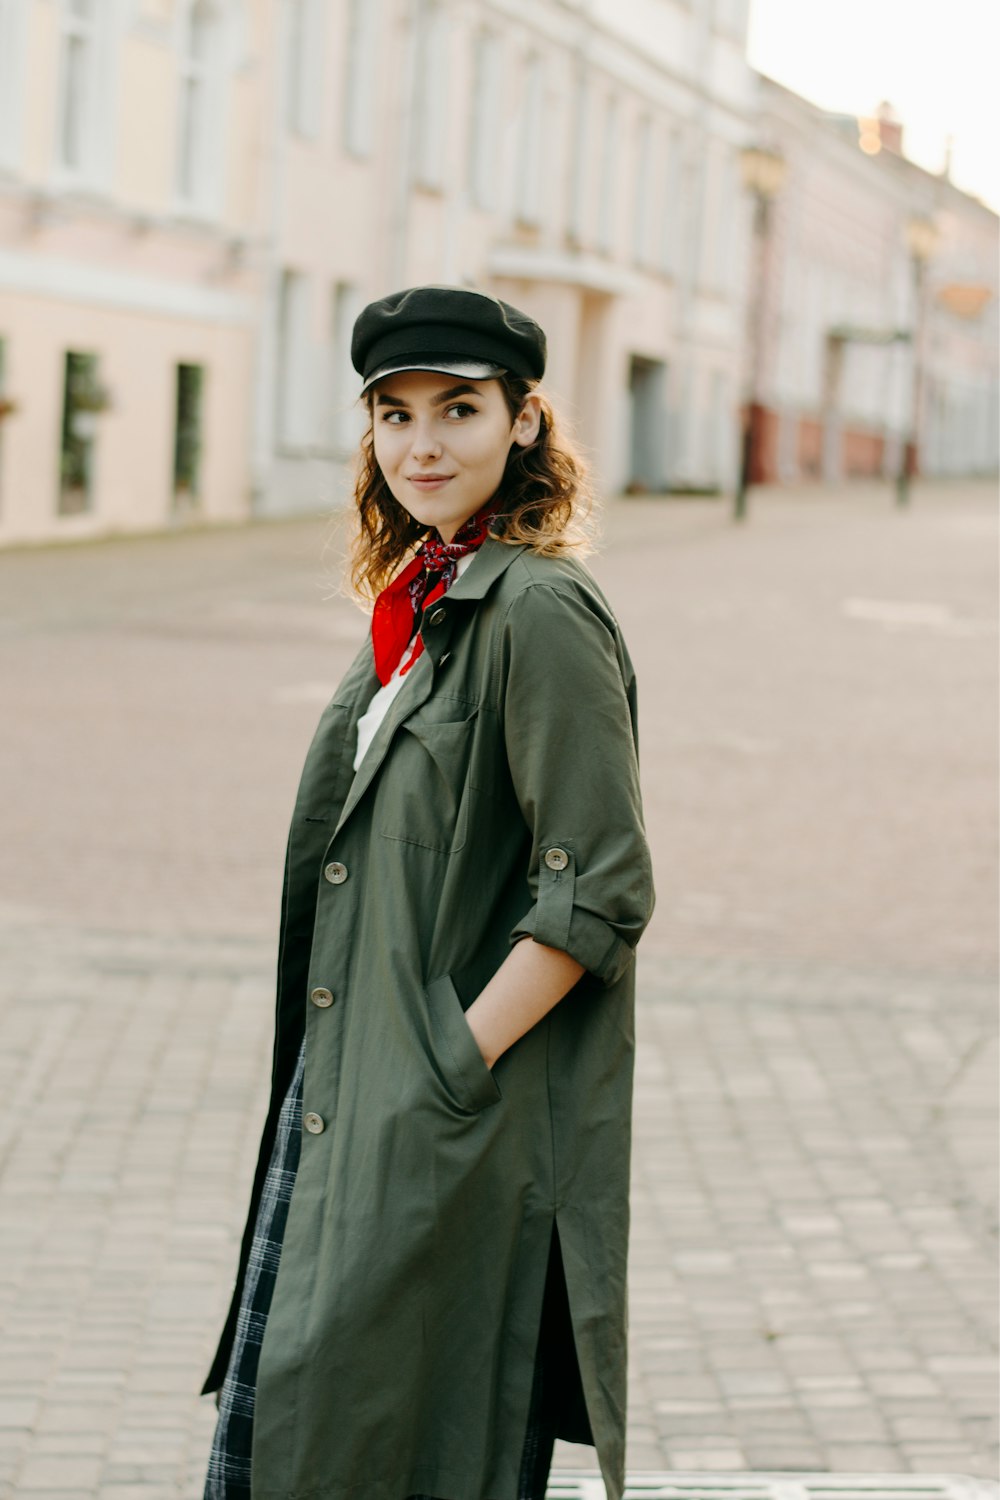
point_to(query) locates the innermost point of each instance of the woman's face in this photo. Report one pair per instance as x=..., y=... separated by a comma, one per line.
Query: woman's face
x=442, y=441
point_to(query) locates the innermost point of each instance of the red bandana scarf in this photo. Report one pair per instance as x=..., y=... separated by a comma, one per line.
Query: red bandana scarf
x=426, y=577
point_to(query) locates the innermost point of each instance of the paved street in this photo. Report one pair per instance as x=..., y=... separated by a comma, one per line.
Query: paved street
x=814, y=1207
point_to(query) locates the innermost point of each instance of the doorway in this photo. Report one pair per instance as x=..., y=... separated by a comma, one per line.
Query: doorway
x=647, y=384
x=188, y=436
x=83, y=401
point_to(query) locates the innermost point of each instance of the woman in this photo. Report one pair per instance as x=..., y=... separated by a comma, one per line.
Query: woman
x=431, y=1286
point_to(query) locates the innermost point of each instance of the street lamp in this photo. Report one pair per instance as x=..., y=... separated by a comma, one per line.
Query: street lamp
x=921, y=239
x=763, y=169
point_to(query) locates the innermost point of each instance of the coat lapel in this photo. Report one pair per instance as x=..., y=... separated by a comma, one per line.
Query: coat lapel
x=463, y=596
x=408, y=700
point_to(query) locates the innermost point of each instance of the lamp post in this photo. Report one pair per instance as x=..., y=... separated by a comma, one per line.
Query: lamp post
x=921, y=239
x=763, y=169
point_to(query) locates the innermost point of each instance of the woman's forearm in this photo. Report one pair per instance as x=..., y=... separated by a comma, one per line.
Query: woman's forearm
x=530, y=981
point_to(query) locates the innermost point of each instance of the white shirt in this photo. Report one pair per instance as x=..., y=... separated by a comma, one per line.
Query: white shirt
x=380, y=704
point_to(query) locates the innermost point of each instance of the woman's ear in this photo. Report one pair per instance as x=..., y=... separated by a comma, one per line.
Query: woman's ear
x=528, y=421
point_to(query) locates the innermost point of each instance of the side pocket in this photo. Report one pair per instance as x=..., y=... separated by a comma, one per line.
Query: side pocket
x=463, y=1068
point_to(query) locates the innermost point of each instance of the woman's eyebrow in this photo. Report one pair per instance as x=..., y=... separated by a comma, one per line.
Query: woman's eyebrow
x=455, y=390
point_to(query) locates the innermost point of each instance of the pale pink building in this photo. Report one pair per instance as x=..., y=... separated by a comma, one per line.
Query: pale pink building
x=127, y=304
x=197, y=196
x=580, y=160
x=872, y=264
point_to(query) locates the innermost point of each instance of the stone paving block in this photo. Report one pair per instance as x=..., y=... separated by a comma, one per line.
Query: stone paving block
x=758, y=1382
x=801, y=1458
x=56, y=1472
x=936, y=1429
x=705, y=1460
x=112, y=1490
x=685, y=1419
x=762, y=1415
x=61, y=1494
x=69, y=1444
x=17, y=1413
x=682, y=1387
x=864, y=1458
x=928, y=1458
x=837, y=1401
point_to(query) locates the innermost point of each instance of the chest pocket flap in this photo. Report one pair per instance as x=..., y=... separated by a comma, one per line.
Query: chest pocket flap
x=423, y=794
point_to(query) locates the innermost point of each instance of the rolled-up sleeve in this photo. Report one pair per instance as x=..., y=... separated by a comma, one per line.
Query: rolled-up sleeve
x=572, y=749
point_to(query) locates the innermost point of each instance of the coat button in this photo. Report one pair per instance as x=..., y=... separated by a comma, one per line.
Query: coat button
x=556, y=859
x=321, y=996
x=335, y=872
x=436, y=616
x=314, y=1123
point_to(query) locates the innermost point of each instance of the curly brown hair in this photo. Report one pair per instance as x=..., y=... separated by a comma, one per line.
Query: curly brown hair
x=548, y=499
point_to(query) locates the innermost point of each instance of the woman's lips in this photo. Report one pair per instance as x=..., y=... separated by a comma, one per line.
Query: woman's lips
x=429, y=484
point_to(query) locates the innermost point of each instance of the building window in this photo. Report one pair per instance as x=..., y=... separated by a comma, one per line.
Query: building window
x=670, y=198
x=345, y=417
x=485, y=121
x=582, y=160
x=83, y=401
x=725, y=226
x=718, y=197
x=78, y=85
x=13, y=20
x=360, y=101
x=188, y=436
x=199, y=39
x=731, y=17
x=294, y=403
x=431, y=95
x=709, y=186
x=531, y=146
x=303, y=56
x=694, y=195
x=643, y=190
x=609, y=177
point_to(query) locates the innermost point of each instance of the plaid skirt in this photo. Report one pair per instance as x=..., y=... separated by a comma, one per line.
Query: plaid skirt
x=228, y=1476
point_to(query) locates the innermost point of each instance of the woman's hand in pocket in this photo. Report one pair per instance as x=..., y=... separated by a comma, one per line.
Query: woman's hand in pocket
x=531, y=980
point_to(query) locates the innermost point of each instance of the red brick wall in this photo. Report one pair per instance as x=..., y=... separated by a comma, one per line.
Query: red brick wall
x=861, y=453
x=810, y=448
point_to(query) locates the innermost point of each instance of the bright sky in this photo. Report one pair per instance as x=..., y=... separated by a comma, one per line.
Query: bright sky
x=936, y=61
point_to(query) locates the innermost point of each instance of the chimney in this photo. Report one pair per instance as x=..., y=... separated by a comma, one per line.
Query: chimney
x=890, y=128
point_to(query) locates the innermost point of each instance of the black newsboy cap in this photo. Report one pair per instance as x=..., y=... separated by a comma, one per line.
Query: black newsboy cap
x=454, y=329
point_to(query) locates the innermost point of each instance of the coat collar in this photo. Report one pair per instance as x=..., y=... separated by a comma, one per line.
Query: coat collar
x=494, y=557
x=479, y=577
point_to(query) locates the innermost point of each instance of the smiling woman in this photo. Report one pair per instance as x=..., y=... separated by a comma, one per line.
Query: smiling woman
x=431, y=1286
x=428, y=444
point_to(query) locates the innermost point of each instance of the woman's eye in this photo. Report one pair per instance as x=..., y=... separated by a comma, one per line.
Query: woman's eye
x=459, y=406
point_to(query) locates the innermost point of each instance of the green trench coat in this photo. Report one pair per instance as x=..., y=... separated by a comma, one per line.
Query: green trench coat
x=499, y=799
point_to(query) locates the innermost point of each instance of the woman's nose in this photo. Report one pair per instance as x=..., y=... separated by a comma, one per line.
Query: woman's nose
x=424, y=442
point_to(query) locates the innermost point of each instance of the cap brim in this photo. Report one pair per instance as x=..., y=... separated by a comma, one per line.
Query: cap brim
x=472, y=369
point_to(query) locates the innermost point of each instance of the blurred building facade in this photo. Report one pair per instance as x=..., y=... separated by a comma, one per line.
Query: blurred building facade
x=198, y=196
x=128, y=308
x=579, y=159
x=880, y=281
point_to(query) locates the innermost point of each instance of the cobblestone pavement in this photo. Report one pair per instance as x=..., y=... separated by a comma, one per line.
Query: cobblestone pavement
x=813, y=1248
